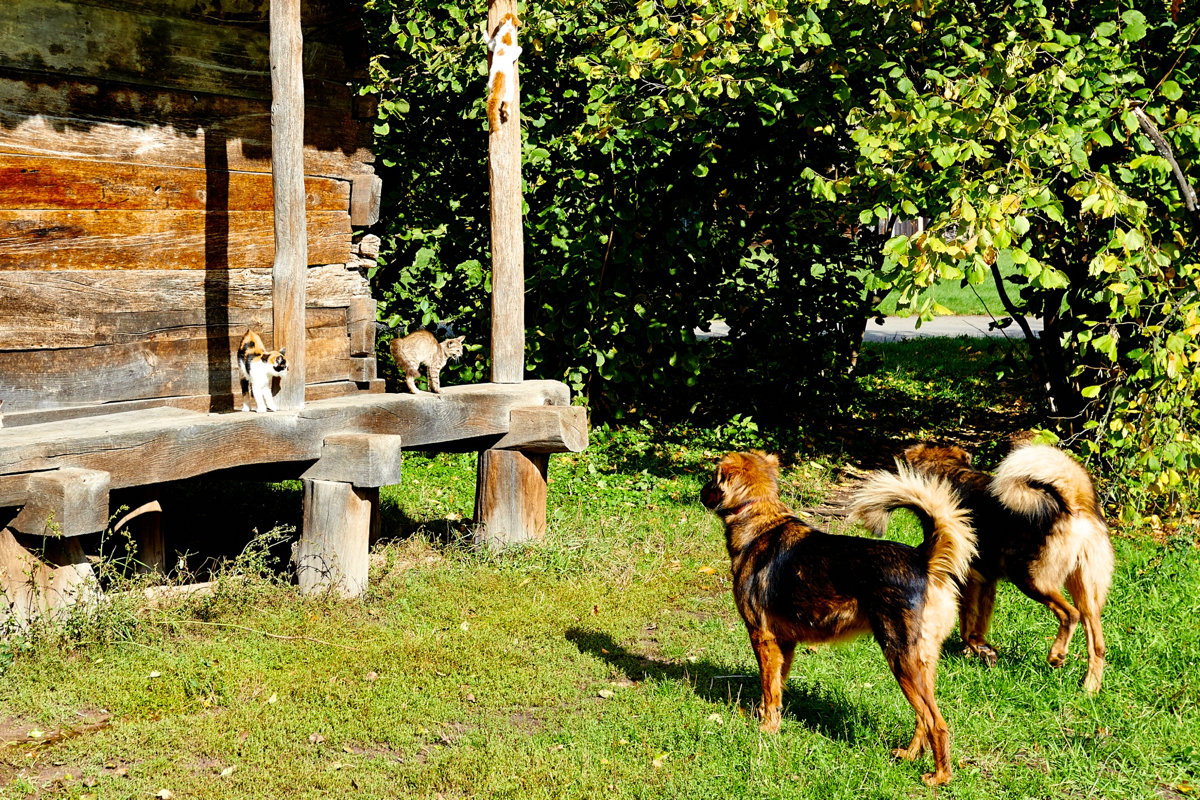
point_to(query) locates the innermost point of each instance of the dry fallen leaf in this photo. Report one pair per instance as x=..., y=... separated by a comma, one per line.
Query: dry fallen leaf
x=372, y=676
x=316, y=738
x=156, y=674
x=164, y=794
x=605, y=693
x=274, y=698
x=707, y=570
x=470, y=698
x=225, y=773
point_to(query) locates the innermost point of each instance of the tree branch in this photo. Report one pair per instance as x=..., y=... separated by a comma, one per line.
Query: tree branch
x=1164, y=150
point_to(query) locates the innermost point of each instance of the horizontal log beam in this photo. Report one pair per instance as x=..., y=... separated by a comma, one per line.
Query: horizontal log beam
x=546, y=429
x=171, y=354
x=84, y=292
x=55, y=116
x=46, y=183
x=134, y=47
x=166, y=444
x=167, y=240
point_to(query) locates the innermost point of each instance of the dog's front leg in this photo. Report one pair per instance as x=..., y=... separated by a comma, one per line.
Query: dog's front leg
x=772, y=665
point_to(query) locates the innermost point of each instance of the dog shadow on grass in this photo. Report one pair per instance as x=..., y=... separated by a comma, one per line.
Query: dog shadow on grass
x=825, y=711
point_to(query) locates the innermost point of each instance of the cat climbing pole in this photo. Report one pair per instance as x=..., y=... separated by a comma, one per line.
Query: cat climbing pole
x=510, y=486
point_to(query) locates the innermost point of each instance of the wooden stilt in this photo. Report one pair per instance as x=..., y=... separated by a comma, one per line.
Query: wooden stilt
x=41, y=584
x=333, y=549
x=510, y=498
x=144, y=523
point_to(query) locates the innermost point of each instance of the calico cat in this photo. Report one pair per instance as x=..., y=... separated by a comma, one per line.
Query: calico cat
x=420, y=348
x=502, y=77
x=258, y=367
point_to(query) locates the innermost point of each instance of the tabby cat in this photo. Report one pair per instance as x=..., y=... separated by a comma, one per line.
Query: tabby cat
x=420, y=348
x=258, y=367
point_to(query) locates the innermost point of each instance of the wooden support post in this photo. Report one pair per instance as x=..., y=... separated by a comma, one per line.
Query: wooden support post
x=333, y=549
x=64, y=502
x=41, y=585
x=508, y=254
x=510, y=498
x=144, y=523
x=287, y=169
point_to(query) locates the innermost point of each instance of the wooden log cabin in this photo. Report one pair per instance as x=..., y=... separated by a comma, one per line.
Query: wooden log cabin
x=173, y=172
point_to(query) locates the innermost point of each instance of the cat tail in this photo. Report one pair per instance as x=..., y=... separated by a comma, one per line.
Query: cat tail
x=494, y=100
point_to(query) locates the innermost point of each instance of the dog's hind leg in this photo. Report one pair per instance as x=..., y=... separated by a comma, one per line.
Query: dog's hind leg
x=1089, y=603
x=1068, y=619
x=916, y=679
x=975, y=616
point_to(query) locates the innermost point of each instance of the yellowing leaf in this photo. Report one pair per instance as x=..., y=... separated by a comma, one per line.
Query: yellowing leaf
x=706, y=570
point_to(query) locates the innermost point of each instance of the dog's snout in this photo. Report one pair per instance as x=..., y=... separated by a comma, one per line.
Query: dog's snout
x=710, y=495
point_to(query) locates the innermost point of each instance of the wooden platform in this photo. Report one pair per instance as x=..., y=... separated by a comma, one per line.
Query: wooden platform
x=55, y=477
x=165, y=444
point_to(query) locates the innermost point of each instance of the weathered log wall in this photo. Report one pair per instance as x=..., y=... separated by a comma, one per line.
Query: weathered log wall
x=136, y=235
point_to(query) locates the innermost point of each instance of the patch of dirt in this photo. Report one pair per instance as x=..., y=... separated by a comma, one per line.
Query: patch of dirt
x=526, y=722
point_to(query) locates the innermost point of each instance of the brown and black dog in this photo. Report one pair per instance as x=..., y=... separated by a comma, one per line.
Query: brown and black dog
x=795, y=584
x=1040, y=526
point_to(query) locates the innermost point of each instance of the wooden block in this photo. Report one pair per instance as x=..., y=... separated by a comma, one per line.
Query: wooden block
x=360, y=316
x=362, y=370
x=546, y=429
x=510, y=498
x=363, y=459
x=64, y=502
x=365, y=198
x=333, y=548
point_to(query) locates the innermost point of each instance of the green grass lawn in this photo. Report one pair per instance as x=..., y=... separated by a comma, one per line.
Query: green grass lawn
x=978, y=299
x=609, y=662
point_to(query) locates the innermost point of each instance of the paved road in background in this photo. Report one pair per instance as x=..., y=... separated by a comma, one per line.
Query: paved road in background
x=896, y=328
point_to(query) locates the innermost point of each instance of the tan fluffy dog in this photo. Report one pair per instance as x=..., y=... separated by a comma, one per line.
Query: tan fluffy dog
x=1040, y=526
x=795, y=584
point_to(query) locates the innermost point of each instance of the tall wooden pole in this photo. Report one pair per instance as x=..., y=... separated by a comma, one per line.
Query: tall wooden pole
x=287, y=169
x=508, y=248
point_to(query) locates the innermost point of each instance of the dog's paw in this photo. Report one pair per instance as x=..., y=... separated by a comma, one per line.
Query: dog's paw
x=770, y=722
x=936, y=778
x=905, y=753
x=1056, y=660
x=987, y=653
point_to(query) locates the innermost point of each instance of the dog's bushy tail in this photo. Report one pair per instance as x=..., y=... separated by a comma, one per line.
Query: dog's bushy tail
x=1045, y=484
x=949, y=537
x=1040, y=481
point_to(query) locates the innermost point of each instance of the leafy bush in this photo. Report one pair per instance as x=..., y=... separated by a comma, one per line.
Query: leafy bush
x=666, y=147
